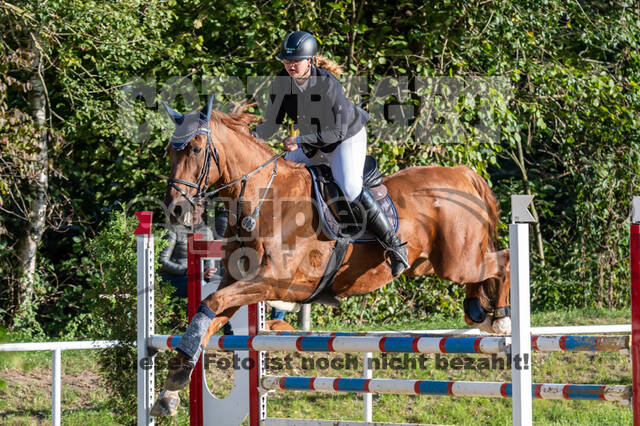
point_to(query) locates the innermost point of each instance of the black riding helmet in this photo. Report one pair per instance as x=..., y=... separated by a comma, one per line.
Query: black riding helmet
x=298, y=45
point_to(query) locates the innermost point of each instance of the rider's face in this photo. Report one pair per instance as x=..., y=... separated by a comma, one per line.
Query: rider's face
x=298, y=69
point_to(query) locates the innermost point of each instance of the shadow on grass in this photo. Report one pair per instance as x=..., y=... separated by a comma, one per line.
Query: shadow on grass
x=46, y=414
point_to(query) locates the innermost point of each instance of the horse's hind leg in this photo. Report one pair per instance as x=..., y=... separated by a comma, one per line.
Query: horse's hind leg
x=495, y=265
x=502, y=311
x=498, y=290
x=486, y=304
x=479, y=310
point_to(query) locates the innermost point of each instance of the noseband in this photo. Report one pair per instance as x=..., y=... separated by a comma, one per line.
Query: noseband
x=203, y=179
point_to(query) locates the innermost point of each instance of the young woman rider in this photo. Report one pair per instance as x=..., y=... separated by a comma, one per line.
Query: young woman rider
x=332, y=131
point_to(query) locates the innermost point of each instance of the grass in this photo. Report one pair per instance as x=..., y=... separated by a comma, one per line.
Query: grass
x=25, y=380
x=25, y=389
x=557, y=368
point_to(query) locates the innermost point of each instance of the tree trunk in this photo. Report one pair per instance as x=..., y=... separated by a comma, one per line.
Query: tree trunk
x=37, y=188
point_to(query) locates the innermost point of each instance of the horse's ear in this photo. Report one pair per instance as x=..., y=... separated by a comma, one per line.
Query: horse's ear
x=205, y=113
x=175, y=116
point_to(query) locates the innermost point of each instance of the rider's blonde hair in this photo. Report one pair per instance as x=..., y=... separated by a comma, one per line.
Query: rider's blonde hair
x=329, y=65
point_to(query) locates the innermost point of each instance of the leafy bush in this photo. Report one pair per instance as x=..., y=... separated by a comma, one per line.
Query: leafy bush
x=400, y=300
x=111, y=295
x=566, y=119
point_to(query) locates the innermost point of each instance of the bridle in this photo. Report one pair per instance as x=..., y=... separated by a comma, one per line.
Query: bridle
x=248, y=222
x=203, y=178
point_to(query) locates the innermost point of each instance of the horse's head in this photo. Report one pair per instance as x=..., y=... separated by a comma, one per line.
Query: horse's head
x=195, y=161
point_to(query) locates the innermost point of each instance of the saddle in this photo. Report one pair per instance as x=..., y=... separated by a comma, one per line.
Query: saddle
x=340, y=223
x=337, y=218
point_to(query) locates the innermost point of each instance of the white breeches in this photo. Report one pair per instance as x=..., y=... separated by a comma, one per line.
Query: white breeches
x=346, y=162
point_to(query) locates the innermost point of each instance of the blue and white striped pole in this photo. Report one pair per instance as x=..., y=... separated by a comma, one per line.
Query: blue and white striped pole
x=618, y=393
x=392, y=344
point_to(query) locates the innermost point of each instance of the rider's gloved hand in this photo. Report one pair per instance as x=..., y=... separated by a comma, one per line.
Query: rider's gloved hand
x=290, y=143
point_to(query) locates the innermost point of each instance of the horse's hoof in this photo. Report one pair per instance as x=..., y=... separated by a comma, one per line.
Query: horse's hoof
x=485, y=325
x=179, y=374
x=502, y=325
x=166, y=404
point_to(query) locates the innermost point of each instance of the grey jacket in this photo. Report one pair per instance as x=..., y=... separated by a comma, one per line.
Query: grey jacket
x=174, y=257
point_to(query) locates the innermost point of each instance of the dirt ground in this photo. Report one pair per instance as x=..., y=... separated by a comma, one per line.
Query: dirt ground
x=33, y=390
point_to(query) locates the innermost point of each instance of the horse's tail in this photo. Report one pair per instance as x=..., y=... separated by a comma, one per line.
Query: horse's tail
x=491, y=205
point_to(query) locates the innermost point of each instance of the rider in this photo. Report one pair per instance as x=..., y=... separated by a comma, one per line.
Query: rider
x=332, y=130
x=173, y=259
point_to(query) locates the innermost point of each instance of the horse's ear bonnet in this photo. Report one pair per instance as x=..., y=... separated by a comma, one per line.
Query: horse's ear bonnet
x=189, y=126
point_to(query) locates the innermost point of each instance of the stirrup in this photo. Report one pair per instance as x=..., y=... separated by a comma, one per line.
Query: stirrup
x=394, y=250
x=399, y=256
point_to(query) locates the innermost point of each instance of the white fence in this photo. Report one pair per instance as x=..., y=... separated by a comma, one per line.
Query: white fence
x=56, y=363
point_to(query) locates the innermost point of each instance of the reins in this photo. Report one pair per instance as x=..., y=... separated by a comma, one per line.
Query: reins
x=248, y=223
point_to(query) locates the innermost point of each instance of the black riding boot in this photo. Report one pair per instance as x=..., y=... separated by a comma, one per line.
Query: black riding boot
x=378, y=223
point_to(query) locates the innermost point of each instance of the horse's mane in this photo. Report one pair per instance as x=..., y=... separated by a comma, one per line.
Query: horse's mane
x=238, y=122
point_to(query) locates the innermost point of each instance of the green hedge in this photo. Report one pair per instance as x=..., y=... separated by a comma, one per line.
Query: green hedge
x=565, y=109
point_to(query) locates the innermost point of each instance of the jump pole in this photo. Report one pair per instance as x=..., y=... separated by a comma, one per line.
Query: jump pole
x=194, y=296
x=634, y=250
x=399, y=344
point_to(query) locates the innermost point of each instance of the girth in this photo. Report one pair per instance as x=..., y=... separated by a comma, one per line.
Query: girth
x=324, y=293
x=329, y=196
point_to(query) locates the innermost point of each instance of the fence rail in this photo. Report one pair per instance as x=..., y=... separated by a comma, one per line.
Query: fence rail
x=56, y=363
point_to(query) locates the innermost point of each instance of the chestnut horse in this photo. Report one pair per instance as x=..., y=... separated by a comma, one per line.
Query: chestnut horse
x=447, y=217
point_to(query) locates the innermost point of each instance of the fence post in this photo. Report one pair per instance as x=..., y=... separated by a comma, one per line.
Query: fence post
x=634, y=252
x=304, y=317
x=55, y=387
x=145, y=313
x=367, y=397
x=521, y=315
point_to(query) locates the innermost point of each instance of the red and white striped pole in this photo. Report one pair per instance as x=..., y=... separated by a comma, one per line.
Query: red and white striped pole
x=254, y=372
x=634, y=249
x=257, y=400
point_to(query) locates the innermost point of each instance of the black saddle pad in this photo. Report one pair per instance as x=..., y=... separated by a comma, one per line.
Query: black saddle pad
x=331, y=226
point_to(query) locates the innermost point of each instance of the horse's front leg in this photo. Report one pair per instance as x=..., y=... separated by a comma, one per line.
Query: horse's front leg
x=212, y=314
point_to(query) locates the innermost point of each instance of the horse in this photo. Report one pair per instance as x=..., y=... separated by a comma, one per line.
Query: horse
x=447, y=215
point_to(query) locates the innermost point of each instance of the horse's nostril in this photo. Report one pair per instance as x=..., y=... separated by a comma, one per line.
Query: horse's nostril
x=177, y=211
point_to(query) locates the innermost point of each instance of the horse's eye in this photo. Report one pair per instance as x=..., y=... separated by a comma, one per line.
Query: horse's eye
x=196, y=150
